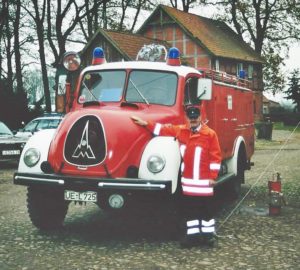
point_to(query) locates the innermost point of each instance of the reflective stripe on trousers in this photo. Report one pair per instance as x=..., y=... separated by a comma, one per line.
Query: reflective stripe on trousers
x=196, y=226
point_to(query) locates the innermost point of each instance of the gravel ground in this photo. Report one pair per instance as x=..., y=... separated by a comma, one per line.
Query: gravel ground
x=248, y=237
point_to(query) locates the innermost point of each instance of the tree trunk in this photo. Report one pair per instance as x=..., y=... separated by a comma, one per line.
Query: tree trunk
x=40, y=33
x=9, y=77
x=44, y=73
x=19, y=78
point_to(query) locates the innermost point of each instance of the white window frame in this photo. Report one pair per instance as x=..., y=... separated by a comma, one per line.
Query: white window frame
x=250, y=71
x=217, y=64
x=239, y=67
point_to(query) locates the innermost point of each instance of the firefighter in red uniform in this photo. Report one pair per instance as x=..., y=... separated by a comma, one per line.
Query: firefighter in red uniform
x=201, y=156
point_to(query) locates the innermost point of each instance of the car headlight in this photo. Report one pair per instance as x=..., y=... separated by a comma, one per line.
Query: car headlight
x=156, y=163
x=32, y=157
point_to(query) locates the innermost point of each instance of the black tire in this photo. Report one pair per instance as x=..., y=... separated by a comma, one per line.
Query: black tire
x=47, y=208
x=234, y=186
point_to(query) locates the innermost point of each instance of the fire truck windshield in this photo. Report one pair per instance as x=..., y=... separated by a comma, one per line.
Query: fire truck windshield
x=154, y=87
x=105, y=86
x=150, y=87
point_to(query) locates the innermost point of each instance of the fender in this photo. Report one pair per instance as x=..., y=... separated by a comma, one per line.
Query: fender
x=168, y=148
x=40, y=140
x=232, y=162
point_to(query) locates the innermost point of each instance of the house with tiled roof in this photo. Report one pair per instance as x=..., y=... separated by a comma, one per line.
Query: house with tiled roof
x=269, y=105
x=207, y=43
x=204, y=44
x=118, y=46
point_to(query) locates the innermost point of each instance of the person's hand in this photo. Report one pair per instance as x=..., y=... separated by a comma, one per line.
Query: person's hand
x=212, y=183
x=139, y=121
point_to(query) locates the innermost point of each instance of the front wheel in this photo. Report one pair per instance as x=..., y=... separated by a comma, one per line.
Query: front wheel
x=47, y=208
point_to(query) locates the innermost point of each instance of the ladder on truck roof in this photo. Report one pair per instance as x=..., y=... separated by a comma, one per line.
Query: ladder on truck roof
x=228, y=79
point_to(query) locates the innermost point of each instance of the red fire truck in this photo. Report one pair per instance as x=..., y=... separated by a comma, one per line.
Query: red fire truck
x=99, y=155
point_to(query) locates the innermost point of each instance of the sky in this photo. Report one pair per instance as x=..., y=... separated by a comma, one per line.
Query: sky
x=294, y=58
x=291, y=63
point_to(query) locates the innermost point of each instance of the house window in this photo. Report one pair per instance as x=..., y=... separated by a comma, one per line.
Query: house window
x=217, y=63
x=265, y=109
x=250, y=71
x=239, y=67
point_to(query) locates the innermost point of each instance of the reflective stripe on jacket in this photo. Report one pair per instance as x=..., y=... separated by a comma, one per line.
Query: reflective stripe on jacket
x=201, y=156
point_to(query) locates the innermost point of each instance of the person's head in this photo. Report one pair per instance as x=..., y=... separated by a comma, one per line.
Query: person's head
x=193, y=117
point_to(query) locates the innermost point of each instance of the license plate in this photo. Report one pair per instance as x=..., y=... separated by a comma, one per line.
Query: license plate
x=10, y=152
x=87, y=196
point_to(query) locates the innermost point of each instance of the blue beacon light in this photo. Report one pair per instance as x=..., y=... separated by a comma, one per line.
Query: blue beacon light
x=173, y=57
x=98, y=56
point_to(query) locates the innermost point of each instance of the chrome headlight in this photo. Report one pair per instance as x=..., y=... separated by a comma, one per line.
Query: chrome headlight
x=156, y=163
x=32, y=157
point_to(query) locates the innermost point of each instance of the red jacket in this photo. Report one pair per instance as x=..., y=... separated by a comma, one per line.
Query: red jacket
x=201, y=156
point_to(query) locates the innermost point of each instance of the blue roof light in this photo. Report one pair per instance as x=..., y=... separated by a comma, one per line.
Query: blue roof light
x=173, y=57
x=98, y=56
x=98, y=53
x=174, y=53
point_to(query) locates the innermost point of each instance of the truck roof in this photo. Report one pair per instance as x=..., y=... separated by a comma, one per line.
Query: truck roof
x=143, y=65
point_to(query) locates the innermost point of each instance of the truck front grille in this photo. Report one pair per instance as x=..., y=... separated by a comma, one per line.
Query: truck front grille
x=85, y=143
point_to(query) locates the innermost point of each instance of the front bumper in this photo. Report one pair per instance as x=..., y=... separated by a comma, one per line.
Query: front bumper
x=93, y=183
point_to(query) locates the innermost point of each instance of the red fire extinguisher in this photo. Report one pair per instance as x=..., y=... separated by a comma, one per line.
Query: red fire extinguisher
x=275, y=196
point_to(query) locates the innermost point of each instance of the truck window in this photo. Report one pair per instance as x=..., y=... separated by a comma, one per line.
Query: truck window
x=105, y=86
x=154, y=87
x=190, y=91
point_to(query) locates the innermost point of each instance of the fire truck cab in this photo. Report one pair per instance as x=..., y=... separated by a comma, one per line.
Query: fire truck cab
x=97, y=154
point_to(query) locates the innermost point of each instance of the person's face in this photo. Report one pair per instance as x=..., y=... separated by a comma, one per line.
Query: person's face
x=194, y=123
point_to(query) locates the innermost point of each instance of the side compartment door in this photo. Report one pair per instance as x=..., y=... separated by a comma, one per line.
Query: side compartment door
x=223, y=115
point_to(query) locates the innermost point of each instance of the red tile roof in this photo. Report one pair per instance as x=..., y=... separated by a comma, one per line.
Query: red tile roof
x=127, y=44
x=216, y=36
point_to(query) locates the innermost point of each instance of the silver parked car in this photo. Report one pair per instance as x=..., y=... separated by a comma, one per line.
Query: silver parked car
x=10, y=145
x=47, y=121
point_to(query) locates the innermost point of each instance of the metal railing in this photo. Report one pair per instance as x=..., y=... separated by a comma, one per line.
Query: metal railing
x=223, y=77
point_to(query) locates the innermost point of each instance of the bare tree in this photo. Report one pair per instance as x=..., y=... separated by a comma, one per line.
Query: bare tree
x=17, y=52
x=7, y=38
x=3, y=18
x=3, y=15
x=38, y=15
x=138, y=6
x=186, y=4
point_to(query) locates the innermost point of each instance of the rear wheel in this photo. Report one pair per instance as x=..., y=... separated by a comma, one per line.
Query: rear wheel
x=47, y=208
x=235, y=184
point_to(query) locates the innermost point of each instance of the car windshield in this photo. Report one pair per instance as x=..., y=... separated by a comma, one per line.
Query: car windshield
x=30, y=127
x=47, y=124
x=154, y=87
x=106, y=86
x=4, y=130
x=39, y=124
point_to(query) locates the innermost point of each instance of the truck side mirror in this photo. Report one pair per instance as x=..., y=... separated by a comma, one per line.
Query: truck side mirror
x=204, y=91
x=61, y=93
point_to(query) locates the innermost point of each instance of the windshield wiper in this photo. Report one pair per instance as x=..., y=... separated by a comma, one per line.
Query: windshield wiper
x=139, y=92
x=91, y=93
